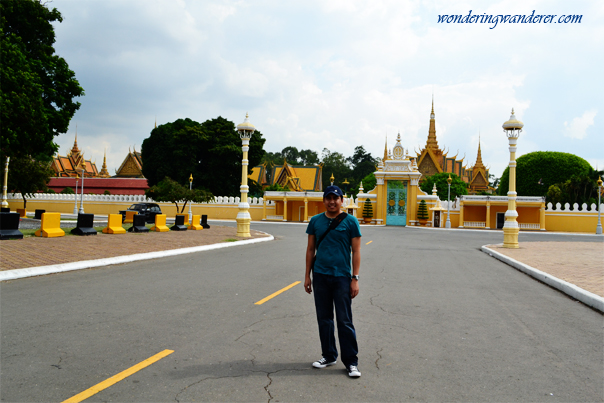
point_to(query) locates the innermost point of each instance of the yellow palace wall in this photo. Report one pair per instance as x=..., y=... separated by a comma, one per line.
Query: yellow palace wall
x=567, y=221
x=213, y=211
x=555, y=220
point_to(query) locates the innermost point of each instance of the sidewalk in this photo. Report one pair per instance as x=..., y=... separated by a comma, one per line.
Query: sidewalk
x=37, y=251
x=574, y=268
x=579, y=263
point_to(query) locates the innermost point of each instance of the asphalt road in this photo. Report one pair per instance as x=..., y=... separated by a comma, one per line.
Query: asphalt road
x=437, y=320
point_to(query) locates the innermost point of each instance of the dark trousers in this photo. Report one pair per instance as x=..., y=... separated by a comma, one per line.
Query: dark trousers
x=330, y=292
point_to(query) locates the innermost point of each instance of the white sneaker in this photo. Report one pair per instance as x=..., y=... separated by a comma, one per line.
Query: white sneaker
x=322, y=363
x=353, y=371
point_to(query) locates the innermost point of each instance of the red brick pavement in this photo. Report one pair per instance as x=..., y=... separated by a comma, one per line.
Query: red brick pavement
x=579, y=263
x=37, y=251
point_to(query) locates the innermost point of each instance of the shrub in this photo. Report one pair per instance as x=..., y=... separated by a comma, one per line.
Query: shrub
x=67, y=191
x=422, y=211
x=367, y=209
x=537, y=171
x=106, y=192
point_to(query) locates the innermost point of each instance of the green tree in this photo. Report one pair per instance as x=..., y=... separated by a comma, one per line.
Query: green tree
x=369, y=182
x=458, y=186
x=578, y=189
x=334, y=163
x=38, y=88
x=308, y=157
x=171, y=191
x=362, y=164
x=28, y=176
x=67, y=191
x=291, y=155
x=210, y=151
x=537, y=171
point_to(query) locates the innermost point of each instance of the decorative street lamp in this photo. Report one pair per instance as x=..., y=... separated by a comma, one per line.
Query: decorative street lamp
x=75, y=199
x=5, y=186
x=448, y=223
x=512, y=128
x=83, y=167
x=190, y=201
x=599, y=227
x=245, y=130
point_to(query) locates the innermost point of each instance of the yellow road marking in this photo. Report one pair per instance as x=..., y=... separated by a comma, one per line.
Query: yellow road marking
x=368, y=242
x=262, y=301
x=116, y=378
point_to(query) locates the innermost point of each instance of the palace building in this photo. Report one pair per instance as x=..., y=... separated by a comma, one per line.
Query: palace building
x=71, y=166
x=128, y=180
x=432, y=160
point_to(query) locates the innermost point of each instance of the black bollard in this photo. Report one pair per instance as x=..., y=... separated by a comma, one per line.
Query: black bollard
x=204, y=222
x=85, y=225
x=5, y=209
x=38, y=214
x=179, y=224
x=138, y=224
x=9, y=226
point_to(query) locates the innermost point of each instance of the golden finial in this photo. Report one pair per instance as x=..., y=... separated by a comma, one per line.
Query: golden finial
x=332, y=179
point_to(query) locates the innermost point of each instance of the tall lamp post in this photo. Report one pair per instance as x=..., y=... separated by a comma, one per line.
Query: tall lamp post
x=448, y=223
x=599, y=227
x=512, y=129
x=75, y=199
x=190, y=202
x=245, y=130
x=5, y=186
x=82, y=186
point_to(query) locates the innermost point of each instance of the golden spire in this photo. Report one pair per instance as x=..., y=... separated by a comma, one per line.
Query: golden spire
x=385, y=150
x=432, y=143
x=479, y=163
x=104, y=173
x=75, y=149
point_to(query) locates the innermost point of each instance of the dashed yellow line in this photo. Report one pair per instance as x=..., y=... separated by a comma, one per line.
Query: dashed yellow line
x=262, y=301
x=116, y=378
x=368, y=242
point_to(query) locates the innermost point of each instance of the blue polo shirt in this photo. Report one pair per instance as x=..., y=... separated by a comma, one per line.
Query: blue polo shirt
x=334, y=253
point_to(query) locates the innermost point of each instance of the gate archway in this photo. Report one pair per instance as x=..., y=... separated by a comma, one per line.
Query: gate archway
x=396, y=208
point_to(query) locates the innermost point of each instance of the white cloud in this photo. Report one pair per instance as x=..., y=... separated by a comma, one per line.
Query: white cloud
x=577, y=129
x=333, y=74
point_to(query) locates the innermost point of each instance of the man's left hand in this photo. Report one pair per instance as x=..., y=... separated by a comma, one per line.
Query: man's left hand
x=354, y=288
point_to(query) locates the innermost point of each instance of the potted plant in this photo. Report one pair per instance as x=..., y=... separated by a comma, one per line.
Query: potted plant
x=422, y=213
x=367, y=212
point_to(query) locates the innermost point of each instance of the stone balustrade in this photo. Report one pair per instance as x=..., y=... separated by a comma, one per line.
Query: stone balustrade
x=225, y=200
x=575, y=208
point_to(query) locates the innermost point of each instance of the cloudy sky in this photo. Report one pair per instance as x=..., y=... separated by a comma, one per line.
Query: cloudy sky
x=337, y=73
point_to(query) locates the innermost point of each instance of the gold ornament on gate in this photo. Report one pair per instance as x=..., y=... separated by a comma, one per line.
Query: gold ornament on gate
x=391, y=203
x=401, y=203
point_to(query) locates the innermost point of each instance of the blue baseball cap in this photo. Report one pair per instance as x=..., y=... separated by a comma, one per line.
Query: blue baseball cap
x=333, y=190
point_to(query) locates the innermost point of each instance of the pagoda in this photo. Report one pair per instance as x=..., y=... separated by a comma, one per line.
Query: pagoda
x=71, y=166
x=432, y=159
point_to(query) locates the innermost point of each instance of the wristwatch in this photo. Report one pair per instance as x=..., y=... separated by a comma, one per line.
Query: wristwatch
x=356, y=277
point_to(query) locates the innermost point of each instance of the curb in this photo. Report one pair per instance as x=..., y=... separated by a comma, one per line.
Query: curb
x=87, y=264
x=586, y=297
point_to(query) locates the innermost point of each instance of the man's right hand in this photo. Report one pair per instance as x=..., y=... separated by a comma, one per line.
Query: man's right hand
x=307, y=284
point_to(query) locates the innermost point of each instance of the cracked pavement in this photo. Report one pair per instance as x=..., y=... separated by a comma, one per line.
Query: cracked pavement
x=437, y=320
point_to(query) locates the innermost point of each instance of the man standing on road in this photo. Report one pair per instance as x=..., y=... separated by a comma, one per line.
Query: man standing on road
x=334, y=282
